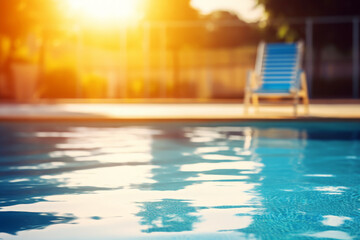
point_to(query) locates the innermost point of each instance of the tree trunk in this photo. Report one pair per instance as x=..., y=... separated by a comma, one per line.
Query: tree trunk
x=41, y=66
x=9, y=92
x=176, y=72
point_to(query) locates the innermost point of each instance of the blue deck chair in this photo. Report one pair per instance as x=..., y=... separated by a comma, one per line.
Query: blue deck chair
x=277, y=74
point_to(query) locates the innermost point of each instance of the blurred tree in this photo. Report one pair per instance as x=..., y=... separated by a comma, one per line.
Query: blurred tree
x=226, y=29
x=337, y=36
x=165, y=10
x=306, y=8
x=177, y=36
x=282, y=10
x=18, y=19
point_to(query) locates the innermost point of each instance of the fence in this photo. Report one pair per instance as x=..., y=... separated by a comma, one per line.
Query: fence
x=198, y=60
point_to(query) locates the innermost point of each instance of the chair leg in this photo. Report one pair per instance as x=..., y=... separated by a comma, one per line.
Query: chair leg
x=296, y=102
x=255, y=101
x=305, y=92
x=306, y=104
x=246, y=102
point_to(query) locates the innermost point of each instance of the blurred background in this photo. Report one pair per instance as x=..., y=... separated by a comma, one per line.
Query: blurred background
x=198, y=50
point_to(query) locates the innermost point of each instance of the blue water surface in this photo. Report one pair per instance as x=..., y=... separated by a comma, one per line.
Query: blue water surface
x=225, y=180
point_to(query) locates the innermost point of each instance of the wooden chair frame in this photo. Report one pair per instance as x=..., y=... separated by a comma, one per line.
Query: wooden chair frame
x=297, y=93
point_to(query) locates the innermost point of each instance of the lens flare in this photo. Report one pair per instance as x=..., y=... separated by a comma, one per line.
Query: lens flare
x=105, y=10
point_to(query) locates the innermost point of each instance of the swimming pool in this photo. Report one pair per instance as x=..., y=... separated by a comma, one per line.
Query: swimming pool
x=224, y=180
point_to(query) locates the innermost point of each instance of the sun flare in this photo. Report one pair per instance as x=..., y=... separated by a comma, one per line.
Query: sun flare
x=105, y=10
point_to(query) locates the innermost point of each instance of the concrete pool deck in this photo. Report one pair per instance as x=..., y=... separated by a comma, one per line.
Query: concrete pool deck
x=349, y=110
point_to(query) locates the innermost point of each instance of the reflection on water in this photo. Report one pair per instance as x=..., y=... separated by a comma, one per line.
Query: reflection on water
x=13, y=222
x=167, y=215
x=194, y=181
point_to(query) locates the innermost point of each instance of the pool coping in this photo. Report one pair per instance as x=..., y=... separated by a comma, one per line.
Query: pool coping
x=174, y=112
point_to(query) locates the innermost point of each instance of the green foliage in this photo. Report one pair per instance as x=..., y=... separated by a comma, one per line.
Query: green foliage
x=165, y=10
x=18, y=19
x=220, y=35
x=21, y=16
x=310, y=8
x=170, y=11
x=94, y=86
x=283, y=10
x=60, y=83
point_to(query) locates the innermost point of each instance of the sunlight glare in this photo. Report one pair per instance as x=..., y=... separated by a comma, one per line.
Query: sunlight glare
x=106, y=10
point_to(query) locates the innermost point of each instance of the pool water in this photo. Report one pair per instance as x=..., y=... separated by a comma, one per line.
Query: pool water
x=224, y=180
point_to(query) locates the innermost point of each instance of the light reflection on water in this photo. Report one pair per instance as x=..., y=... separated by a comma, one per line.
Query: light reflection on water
x=191, y=181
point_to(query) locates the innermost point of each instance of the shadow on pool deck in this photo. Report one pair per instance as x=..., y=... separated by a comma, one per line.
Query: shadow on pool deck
x=230, y=110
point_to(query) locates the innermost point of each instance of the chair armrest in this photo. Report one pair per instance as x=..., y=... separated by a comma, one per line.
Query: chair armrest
x=251, y=80
x=297, y=84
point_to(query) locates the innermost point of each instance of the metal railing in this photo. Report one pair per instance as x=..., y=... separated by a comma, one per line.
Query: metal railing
x=134, y=72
